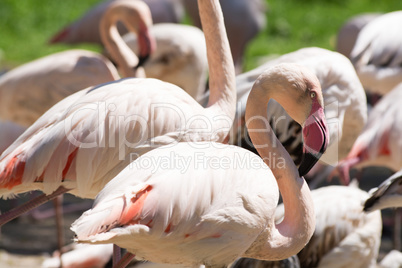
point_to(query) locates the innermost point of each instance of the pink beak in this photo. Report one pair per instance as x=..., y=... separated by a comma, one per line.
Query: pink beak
x=147, y=46
x=316, y=139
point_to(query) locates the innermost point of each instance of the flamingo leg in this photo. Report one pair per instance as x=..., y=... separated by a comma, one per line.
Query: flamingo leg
x=124, y=261
x=397, y=228
x=15, y=212
x=58, y=207
x=116, y=254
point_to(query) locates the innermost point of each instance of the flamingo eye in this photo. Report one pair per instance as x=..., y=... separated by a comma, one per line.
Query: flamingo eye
x=312, y=95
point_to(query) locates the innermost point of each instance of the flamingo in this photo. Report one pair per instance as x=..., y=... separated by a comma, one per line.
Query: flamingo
x=28, y=91
x=379, y=144
x=87, y=138
x=244, y=19
x=377, y=56
x=344, y=236
x=205, y=207
x=86, y=29
x=349, y=31
x=180, y=57
x=387, y=195
x=344, y=98
x=94, y=256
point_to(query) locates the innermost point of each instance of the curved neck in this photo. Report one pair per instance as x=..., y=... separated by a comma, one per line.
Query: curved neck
x=134, y=16
x=222, y=99
x=293, y=233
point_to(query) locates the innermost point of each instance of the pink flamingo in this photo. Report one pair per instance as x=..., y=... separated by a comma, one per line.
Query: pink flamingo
x=83, y=141
x=213, y=210
x=349, y=31
x=86, y=29
x=31, y=89
x=379, y=144
x=345, y=107
x=344, y=235
x=376, y=54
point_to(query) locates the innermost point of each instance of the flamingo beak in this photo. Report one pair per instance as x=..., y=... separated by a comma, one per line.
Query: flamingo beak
x=141, y=61
x=147, y=46
x=316, y=139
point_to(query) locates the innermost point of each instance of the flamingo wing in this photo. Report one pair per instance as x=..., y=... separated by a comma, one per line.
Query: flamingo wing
x=87, y=138
x=28, y=91
x=167, y=210
x=377, y=54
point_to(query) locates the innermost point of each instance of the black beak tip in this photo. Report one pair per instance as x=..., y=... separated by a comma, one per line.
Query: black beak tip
x=307, y=163
x=141, y=61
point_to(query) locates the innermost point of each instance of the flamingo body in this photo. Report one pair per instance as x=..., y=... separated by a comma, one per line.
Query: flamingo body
x=349, y=31
x=344, y=97
x=95, y=132
x=379, y=144
x=31, y=89
x=203, y=212
x=344, y=236
x=82, y=256
x=86, y=29
x=188, y=216
x=377, y=54
x=89, y=137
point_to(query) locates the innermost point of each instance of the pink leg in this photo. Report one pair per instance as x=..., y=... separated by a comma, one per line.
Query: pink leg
x=58, y=207
x=343, y=169
x=15, y=212
x=123, y=262
x=397, y=229
x=116, y=254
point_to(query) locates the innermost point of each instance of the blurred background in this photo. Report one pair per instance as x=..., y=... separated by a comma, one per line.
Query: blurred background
x=27, y=25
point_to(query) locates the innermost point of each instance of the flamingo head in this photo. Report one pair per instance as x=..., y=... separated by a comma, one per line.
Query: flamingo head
x=307, y=108
x=315, y=138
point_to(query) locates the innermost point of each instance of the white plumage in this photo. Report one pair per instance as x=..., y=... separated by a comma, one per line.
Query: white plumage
x=344, y=236
x=377, y=54
x=87, y=138
x=379, y=144
x=185, y=210
x=220, y=205
x=31, y=89
x=349, y=31
x=344, y=98
x=86, y=28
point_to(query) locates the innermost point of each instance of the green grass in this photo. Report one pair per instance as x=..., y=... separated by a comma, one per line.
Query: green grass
x=293, y=24
x=27, y=25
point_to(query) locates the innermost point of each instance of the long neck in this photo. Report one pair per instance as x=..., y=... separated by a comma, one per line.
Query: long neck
x=119, y=51
x=293, y=233
x=222, y=99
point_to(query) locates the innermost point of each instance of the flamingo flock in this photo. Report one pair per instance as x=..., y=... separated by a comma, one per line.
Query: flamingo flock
x=192, y=162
